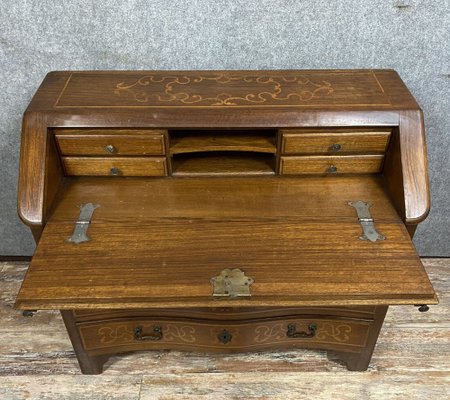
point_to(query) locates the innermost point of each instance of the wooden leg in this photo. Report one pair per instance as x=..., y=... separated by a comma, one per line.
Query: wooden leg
x=360, y=361
x=89, y=365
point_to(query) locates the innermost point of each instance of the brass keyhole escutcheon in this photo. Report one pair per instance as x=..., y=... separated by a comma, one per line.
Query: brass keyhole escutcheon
x=224, y=336
x=114, y=171
x=332, y=169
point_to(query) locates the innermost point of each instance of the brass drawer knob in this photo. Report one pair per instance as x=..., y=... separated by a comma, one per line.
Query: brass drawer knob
x=292, y=331
x=332, y=169
x=110, y=149
x=336, y=147
x=114, y=171
x=157, y=334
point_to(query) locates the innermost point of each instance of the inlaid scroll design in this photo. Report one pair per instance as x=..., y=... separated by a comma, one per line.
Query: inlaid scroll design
x=325, y=332
x=270, y=332
x=124, y=333
x=183, y=333
x=120, y=333
x=340, y=333
x=229, y=89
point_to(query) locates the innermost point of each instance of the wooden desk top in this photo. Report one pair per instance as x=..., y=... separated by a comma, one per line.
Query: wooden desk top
x=175, y=96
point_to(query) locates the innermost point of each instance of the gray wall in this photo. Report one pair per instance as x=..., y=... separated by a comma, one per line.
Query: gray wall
x=39, y=36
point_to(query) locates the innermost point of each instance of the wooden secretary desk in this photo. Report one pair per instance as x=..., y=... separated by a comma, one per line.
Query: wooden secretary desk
x=223, y=211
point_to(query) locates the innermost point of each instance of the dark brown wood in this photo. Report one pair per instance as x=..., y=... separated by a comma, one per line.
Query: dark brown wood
x=171, y=157
x=360, y=361
x=196, y=141
x=278, y=198
x=384, y=97
x=124, y=142
x=334, y=141
x=361, y=164
x=311, y=252
x=213, y=164
x=115, y=166
x=91, y=365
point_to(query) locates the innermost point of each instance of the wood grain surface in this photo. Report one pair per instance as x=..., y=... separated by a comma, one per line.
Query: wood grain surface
x=120, y=100
x=194, y=141
x=411, y=361
x=336, y=164
x=126, y=265
x=315, y=141
x=124, y=166
x=126, y=142
x=223, y=164
x=306, y=197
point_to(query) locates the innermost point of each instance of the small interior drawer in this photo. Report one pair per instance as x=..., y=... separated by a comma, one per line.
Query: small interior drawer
x=298, y=141
x=115, y=166
x=121, y=142
x=361, y=164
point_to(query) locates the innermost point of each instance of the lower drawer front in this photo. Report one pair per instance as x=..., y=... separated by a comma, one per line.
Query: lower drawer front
x=136, y=334
x=115, y=166
x=363, y=164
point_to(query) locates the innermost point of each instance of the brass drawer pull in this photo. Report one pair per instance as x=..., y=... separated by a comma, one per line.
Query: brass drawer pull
x=292, y=331
x=139, y=336
x=224, y=336
x=332, y=169
x=110, y=149
x=114, y=171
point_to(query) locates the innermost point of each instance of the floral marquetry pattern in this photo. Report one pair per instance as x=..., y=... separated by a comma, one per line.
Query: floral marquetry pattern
x=121, y=333
x=124, y=334
x=179, y=333
x=224, y=90
x=326, y=332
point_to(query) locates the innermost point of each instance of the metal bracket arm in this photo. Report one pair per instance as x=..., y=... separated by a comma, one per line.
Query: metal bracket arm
x=79, y=234
x=366, y=221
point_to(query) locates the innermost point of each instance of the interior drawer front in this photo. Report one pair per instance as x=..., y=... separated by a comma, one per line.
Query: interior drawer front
x=364, y=164
x=120, y=335
x=115, y=166
x=297, y=142
x=111, y=145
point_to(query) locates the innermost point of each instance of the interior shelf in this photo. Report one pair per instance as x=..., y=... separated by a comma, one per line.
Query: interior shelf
x=251, y=141
x=223, y=163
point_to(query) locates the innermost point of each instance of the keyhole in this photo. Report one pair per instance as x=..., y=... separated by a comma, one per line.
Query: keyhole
x=224, y=336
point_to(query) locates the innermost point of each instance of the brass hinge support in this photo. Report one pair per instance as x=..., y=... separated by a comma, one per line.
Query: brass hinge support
x=79, y=234
x=366, y=221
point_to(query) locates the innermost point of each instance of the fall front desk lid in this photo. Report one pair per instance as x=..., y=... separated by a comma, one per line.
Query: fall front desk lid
x=293, y=253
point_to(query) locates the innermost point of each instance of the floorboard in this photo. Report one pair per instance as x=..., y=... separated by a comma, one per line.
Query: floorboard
x=411, y=360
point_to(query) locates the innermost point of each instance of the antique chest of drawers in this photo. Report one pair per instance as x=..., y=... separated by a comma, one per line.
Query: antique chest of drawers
x=223, y=211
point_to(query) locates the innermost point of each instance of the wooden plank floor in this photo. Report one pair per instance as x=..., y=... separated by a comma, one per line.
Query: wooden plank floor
x=411, y=361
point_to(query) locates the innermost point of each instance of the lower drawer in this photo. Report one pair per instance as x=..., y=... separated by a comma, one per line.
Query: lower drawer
x=139, y=334
x=120, y=166
x=362, y=164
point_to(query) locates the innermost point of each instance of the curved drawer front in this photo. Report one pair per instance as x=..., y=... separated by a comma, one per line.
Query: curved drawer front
x=111, y=143
x=299, y=165
x=115, y=166
x=120, y=335
x=297, y=141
